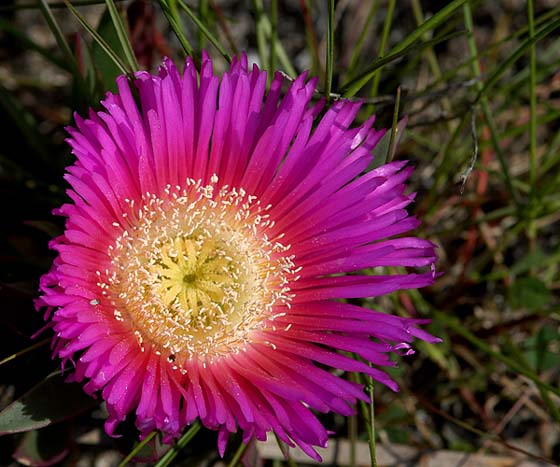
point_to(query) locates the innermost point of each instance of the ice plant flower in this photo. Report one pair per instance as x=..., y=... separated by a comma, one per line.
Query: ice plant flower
x=202, y=266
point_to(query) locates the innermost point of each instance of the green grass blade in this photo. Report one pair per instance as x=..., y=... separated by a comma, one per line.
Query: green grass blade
x=273, y=37
x=311, y=39
x=264, y=34
x=170, y=11
x=168, y=457
x=350, y=88
x=59, y=37
x=122, y=35
x=29, y=44
x=428, y=25
x=394, y=128
x=204, y=16
x=285, y=451
x=455, y=325
x=473, y=50
x=260, y=29
x=330, y=50
x=533, y=102
x=371, y=421
x=137, y=449
x=32, y=5
x=383, y=45
x=26, y=350
x=357, y=49
x=516, y=55
x=407, y=44
x=238, y=454
x=211, y=37
x=97, y=38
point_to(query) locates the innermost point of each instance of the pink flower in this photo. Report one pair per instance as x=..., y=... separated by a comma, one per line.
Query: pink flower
x=201, y=266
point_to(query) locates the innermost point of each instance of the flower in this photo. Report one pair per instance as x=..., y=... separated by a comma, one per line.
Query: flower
x=201, y=267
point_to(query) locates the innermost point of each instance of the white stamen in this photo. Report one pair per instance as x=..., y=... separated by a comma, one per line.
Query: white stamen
x=196, y=271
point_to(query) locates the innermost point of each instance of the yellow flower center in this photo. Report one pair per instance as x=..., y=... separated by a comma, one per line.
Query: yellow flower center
x=194, y=271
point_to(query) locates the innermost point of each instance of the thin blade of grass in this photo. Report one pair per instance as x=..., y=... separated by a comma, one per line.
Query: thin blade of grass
x=394, y=128
x=311, y=38
x=137, y=449
x=368, y=410
x=122, y=35
x=407, y=44
x=273, y=37
x=455, y=325
x=168, y=457
x=29, y=44
x=97, y=38
x=26, y=350
x=473, y=50
x=330, y=51
x=353, y=438
x=211, y=37
x=357, y=49
x=204, y=16
x=59, y=37
x=371, y=421
x=428, y=25
x=483, y=434
x=493, y=77
x=350, y=88
x=224, y=26
x=285, y=451
x=520, y=357
x=170, y=11
x=532, y=107
x=33, y=5
x=382, y=45
x=260, y=30
x=27, y=126
x=238, y=454
x=264, y=33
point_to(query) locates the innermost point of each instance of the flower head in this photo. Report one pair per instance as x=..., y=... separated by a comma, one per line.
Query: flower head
x=202, y=259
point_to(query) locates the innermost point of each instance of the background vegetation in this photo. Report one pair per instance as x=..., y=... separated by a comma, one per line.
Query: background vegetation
x=477, y=84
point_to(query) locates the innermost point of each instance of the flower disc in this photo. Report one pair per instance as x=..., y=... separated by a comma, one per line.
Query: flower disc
x=196, y=272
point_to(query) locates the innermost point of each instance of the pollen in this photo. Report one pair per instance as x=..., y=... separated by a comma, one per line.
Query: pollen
x=196, y=270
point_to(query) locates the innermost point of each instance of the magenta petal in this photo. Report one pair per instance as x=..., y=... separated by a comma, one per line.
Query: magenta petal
x=208, y=225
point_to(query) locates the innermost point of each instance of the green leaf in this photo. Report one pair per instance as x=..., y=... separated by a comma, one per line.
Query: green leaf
x=530, y=293
x=533, y=259
x=43, y=448
x=381, y=149
x=50, y=401
x=540, y=354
